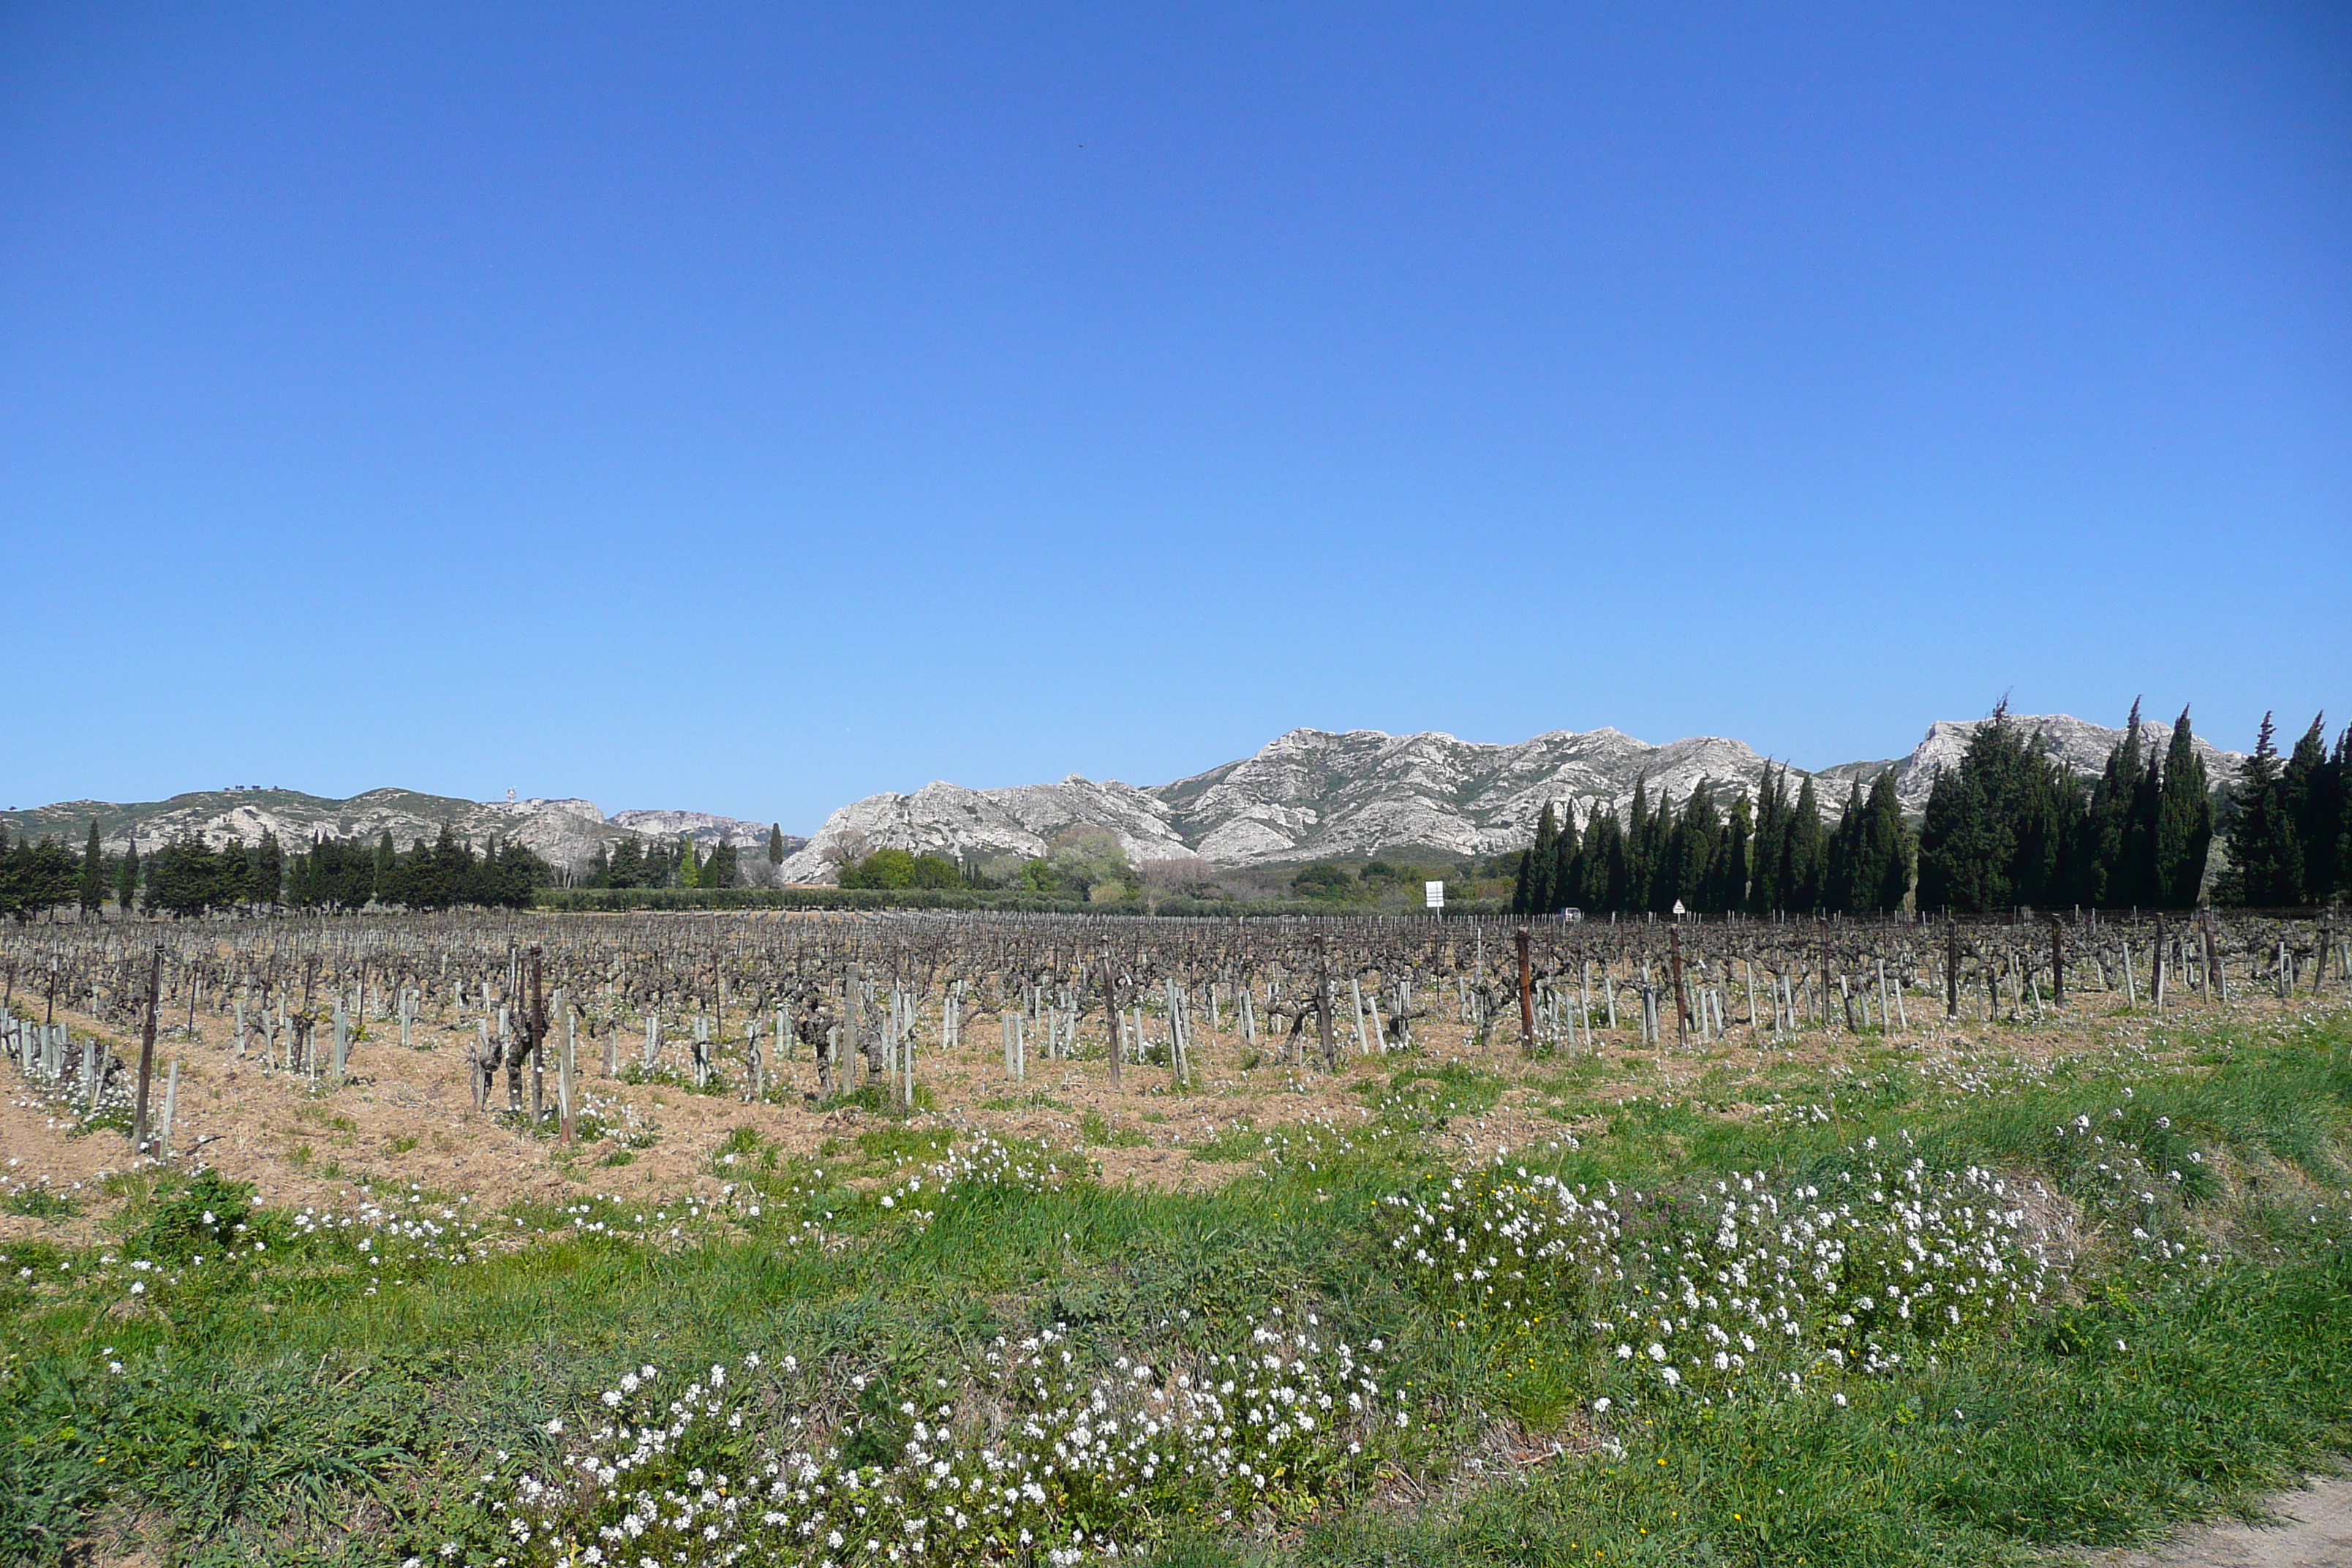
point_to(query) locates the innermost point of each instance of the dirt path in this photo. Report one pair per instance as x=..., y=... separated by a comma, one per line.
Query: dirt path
x=2314, y=1530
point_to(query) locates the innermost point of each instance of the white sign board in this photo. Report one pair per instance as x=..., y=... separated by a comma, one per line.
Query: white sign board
x=1679, y=910
x=1433, y=894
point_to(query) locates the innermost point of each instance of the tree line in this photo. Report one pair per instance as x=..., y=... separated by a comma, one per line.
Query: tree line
x=2010, y=826
x=1776, y=854
x=2289, y=822
x=190, y=877
x=679, y=865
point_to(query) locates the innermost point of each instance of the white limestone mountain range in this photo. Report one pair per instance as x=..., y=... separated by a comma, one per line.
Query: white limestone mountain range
x=1313, y=795
x=566, y=832
x=1308, y=795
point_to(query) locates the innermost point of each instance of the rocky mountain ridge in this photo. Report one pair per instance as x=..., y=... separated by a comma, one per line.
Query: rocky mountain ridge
x=1315, y=794
x=567, y=832
x=1307, y=794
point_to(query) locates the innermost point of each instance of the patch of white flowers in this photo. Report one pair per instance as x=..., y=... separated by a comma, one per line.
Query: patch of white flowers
x=1748, y=1288
x=1030, y=1460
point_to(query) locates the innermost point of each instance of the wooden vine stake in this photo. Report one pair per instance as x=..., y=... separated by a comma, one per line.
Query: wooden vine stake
x=146, y=1050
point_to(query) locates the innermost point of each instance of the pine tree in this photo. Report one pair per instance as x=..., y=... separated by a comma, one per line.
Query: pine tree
x=236, y=875
x=126, y=881
x=2265, y=855
x=93, y=872
x=268, y=869
x=2184, y=823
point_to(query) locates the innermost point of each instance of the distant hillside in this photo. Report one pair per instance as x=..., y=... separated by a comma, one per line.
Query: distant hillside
x=566, y=832
x=1314, y=794
x=1308, y=795
x=707, y=829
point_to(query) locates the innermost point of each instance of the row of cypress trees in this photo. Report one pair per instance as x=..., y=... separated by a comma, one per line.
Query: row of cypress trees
x=658, y=865
x=2290, y=822
x=1780, y=856
x=347, y=873
x=2010, y=825
x=188, y=876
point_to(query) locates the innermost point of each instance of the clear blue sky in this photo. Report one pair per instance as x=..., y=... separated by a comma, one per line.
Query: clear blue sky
x=749, y=409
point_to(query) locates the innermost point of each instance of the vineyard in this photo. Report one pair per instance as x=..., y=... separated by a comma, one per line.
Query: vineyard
x=904, y=1237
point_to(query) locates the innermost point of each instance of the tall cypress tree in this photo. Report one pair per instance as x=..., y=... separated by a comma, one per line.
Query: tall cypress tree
x=2141, y=877
x=1882, y=876
x=93, y=872
x=1802, y=871
x=126, y=881
x=2265, y=855
x=2308, y=791
x=1690, y=852
x=2327, y=854
x=1540, y=856
x=1655, y=893
x=2106, y=874
x=1728, y=875
x=1842, y=857
x=1604, y=864
x=2184, y=822
x=688, y=867
x=1769, y=846
x=1565, y=860
x=1995, y=826
x=1636, y=885
x=1523, y=886
x=775, y=844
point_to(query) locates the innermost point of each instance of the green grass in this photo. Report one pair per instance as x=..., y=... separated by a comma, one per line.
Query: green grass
x=40, y=1202
x=297, y=1406
x=1096, y=1129
x=1039, y=1100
